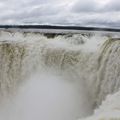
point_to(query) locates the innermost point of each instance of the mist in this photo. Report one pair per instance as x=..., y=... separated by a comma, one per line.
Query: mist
x=60, y=78
x=48, y=96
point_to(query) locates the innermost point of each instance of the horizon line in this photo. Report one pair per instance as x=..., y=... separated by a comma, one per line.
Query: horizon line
x=61, y=27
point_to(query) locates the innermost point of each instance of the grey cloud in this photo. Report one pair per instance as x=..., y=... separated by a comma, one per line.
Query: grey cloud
x=78, y=12
x=93, y=6
x=26, y=10
x=113, y=5
x=84, y=6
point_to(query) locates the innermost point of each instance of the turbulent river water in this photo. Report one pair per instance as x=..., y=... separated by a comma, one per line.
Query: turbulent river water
x=62, y=77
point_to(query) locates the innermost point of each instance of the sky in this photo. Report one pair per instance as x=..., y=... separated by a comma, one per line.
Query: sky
x=103, y=13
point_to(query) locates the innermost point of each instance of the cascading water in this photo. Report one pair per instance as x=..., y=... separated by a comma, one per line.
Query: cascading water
x=62, y=77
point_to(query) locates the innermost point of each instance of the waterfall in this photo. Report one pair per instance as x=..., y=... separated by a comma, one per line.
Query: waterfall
x=107, y=90
x=87, y=62
x=108, y=71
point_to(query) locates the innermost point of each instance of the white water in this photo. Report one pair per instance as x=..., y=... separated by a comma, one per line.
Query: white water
x=43, y=93
x=59, y=78
x=48, y=97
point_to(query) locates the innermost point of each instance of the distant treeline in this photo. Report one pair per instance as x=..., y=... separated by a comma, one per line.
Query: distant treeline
x=60, y=27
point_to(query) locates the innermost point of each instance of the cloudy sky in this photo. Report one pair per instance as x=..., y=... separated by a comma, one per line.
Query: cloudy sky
x=63, y=12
